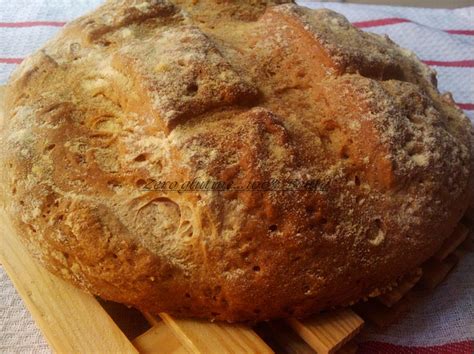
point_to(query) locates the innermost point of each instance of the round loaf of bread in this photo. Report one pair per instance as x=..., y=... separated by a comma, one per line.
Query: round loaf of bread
x=231, y=160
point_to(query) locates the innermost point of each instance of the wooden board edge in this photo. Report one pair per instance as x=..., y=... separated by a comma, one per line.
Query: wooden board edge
x=159, y=338
x=281, y=338
x=204, y=337
x=328, y=332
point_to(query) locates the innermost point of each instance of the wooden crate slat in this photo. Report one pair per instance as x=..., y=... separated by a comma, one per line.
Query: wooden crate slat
x=152, y=319
x=204, y=337
x=457, y=237
x=282, y=338
x=406, y=284
x=71, y=320
x=328, y=332
x=159, y=339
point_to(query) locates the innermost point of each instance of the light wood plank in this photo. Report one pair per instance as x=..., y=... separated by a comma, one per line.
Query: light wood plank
x=204, y=337
x=282, y=338
x=159, y=339
x=71, y=320
x=328, y=332
x=452, y=242
x=406, y=284
x=154, y=321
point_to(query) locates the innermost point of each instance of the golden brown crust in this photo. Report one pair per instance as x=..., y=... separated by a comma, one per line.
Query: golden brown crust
x=237, y=92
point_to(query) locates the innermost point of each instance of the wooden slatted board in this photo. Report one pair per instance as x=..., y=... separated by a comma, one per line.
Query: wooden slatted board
x=73, y=321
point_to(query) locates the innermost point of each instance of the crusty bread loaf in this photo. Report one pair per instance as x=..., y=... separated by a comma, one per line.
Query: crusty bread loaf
x=373, y=166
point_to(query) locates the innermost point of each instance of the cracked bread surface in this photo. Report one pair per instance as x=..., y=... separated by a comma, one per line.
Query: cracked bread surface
x=239, y=92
